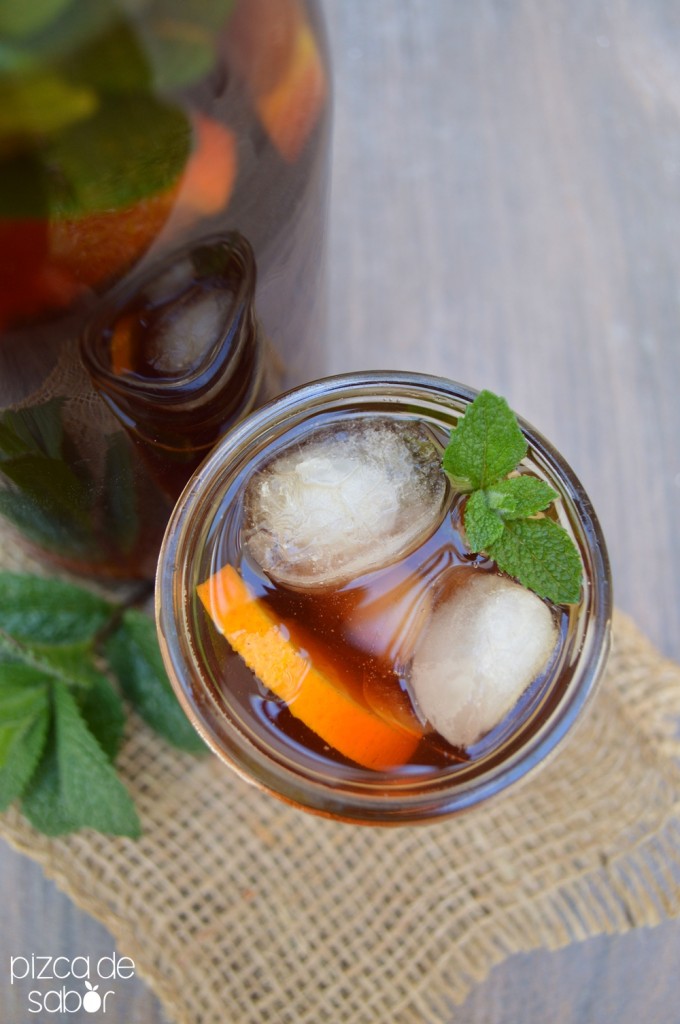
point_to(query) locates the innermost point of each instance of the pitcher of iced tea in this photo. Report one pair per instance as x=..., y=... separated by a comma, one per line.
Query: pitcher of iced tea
x=163, y=186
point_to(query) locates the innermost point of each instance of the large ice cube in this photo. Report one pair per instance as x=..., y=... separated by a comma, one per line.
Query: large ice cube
x=485, y=643
x=346, y=500
x=185, y=331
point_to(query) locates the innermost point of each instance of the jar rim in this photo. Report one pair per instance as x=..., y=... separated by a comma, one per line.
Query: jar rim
x=385, y=800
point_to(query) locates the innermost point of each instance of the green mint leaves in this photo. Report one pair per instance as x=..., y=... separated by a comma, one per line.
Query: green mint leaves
x=61, y=716
x=486, y=445
x=502, y=515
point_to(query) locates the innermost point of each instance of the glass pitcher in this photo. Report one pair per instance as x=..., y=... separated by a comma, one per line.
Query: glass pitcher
x=163, y=188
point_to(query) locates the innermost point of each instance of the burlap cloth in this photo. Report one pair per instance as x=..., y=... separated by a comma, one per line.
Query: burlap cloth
x=239, y=909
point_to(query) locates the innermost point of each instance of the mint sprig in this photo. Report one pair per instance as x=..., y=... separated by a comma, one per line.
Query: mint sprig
x=503, y=515
x=62, y=718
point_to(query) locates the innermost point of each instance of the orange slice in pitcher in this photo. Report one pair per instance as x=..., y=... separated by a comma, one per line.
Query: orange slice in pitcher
x=272, y=46
x=293, y=666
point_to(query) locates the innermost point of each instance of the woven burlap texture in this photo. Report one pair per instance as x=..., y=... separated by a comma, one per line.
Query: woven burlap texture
x=237, y=908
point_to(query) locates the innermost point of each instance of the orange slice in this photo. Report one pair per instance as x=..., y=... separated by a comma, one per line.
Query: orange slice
x=54, y=262
x=121, y=348
x=293, y=667
x=99, y=246
x=270, y=43
x=210, y=173
x=290, y=110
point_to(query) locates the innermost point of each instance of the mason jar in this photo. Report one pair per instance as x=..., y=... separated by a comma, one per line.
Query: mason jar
x=290, y=664
x=163, y=190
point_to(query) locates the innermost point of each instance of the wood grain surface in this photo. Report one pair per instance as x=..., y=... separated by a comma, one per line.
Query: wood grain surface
x=506, y=212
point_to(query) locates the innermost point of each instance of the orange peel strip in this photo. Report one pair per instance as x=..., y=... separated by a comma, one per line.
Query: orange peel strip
x=313, y=689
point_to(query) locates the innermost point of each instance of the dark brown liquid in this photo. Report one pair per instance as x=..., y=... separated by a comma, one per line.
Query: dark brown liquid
x=182, y=359
x=369, y=627
x=136, y=341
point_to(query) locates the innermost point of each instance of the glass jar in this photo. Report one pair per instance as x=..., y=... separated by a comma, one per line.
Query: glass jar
x=137, y=137
x=247, y=727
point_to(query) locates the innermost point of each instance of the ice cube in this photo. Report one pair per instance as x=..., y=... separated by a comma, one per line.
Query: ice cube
x=185, y=331
x=344, y=501
x=485, y=643
x=173, y=280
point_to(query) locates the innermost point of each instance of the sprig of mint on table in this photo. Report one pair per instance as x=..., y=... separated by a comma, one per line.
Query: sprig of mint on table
x=61, y=716
x=502, y=515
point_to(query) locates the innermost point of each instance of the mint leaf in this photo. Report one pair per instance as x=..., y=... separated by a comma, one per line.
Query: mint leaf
x=132, y=147
x=486, y=444
x=37, y=430
x=61, y=719
x=485, y=447
x=482, y=524
x=36, y=523
x=74, y=23
x=182, y=39
x=111, y=61
x=48, y=611
x=25, y=19
x=103, y=711
x=520, y=496
x=133, y=653
x=75, y=785
x=53, y=486
x=542, y=556
x=22, y=748
x=24, y=717
x=23, y=694
x=42, y=801
x=42, y=102
x=34, y=439
x=51, y=499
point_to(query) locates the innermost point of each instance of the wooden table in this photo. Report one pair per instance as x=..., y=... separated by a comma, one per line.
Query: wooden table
x=506, y=212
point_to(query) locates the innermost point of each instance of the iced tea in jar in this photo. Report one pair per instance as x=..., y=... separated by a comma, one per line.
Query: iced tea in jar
x=163, y=187
x=384, y=598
